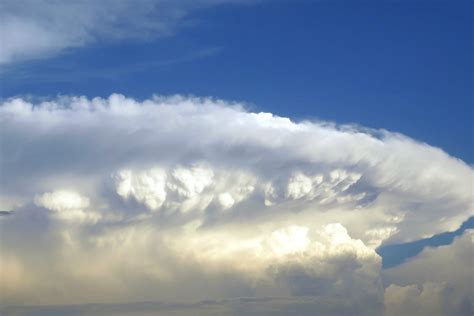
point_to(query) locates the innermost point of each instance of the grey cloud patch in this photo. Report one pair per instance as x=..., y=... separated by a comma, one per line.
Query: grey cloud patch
x=439, y=281
x=243, y=306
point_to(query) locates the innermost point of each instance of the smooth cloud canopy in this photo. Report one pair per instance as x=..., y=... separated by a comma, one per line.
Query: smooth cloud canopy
x=188, y=199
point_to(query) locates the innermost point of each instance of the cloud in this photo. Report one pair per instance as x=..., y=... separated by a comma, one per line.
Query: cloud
x=304, y=306
x=146, y=187
x=439, y=281
x=437, y=299
x=33, y=29
x=67, y=205
x=170, y=153
x=61, y=201
x=189, y=199
x=141, y=262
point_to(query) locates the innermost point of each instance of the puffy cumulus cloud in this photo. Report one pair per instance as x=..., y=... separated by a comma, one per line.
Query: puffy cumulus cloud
x=183, y=189
x=190, y=182
x=139, y=262
x=61, y=201
x=145, y=187
x=67, y=205
x=39, y=28
x=325, y=188
x=439, y=281
x=188, y=199
x=333, y=264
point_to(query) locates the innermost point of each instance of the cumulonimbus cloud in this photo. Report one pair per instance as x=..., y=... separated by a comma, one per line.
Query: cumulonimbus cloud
x=182, y=190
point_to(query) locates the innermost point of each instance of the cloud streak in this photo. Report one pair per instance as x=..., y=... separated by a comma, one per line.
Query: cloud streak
x=32, y=29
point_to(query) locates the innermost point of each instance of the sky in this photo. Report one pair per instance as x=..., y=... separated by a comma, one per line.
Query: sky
x=236, y=157
x=404, y=66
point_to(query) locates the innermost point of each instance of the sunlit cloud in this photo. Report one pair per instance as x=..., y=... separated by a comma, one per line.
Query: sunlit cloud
x=184, y=199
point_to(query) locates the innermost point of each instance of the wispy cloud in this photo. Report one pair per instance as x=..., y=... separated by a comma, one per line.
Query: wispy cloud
x=32, y=29
x=71, y=71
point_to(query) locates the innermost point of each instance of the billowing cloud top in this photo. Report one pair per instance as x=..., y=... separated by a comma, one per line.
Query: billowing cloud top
x=147, y=196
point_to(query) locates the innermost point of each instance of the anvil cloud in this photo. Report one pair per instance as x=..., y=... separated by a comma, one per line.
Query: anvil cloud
x=185, y=199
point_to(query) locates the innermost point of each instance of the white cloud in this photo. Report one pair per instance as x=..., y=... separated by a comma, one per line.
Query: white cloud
x=385, y=184
x=32, y=29
x=68, y=205
x=187, y=199
x=226, y=200
x=146, y=187
x=290, y=240
x=390, y=175
x=190, y=182
x=61, y=201
x=326, y=188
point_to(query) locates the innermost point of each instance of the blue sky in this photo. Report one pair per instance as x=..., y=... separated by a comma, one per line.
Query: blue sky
x=405, y=66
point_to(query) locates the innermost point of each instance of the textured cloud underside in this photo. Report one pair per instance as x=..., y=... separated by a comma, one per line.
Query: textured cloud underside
x=186, y=199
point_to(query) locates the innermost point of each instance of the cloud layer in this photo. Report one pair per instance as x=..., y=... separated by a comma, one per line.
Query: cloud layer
x=189, y=199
